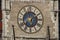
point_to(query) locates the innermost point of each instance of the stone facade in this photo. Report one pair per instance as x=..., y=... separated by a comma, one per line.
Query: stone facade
x=10, y=18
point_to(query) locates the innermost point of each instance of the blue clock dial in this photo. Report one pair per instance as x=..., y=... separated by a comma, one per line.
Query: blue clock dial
x=30, y=19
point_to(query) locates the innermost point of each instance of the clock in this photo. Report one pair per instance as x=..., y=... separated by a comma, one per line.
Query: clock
x=30, y=19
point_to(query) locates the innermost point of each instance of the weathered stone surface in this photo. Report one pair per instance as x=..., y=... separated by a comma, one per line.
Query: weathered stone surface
x=44, y=7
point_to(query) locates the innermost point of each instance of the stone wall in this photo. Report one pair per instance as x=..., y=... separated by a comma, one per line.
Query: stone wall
x=46, y=7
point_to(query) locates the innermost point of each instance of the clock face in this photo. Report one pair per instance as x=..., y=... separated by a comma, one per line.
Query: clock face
x=30, y=19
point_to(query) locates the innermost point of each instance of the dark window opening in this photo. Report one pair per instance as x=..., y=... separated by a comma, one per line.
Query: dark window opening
x=0, y=20
x=59, y=17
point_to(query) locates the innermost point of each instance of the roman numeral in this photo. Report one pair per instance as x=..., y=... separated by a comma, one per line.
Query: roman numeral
x=39, y=19
x=38, y=14
x=20, y=19
x=25, y=28
x=29, y=9
x=24, y=9
x=30, y=30
x=21, y=24
x=34, y=10
x=35, y=28
x=21, y=14
x=39, y=25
